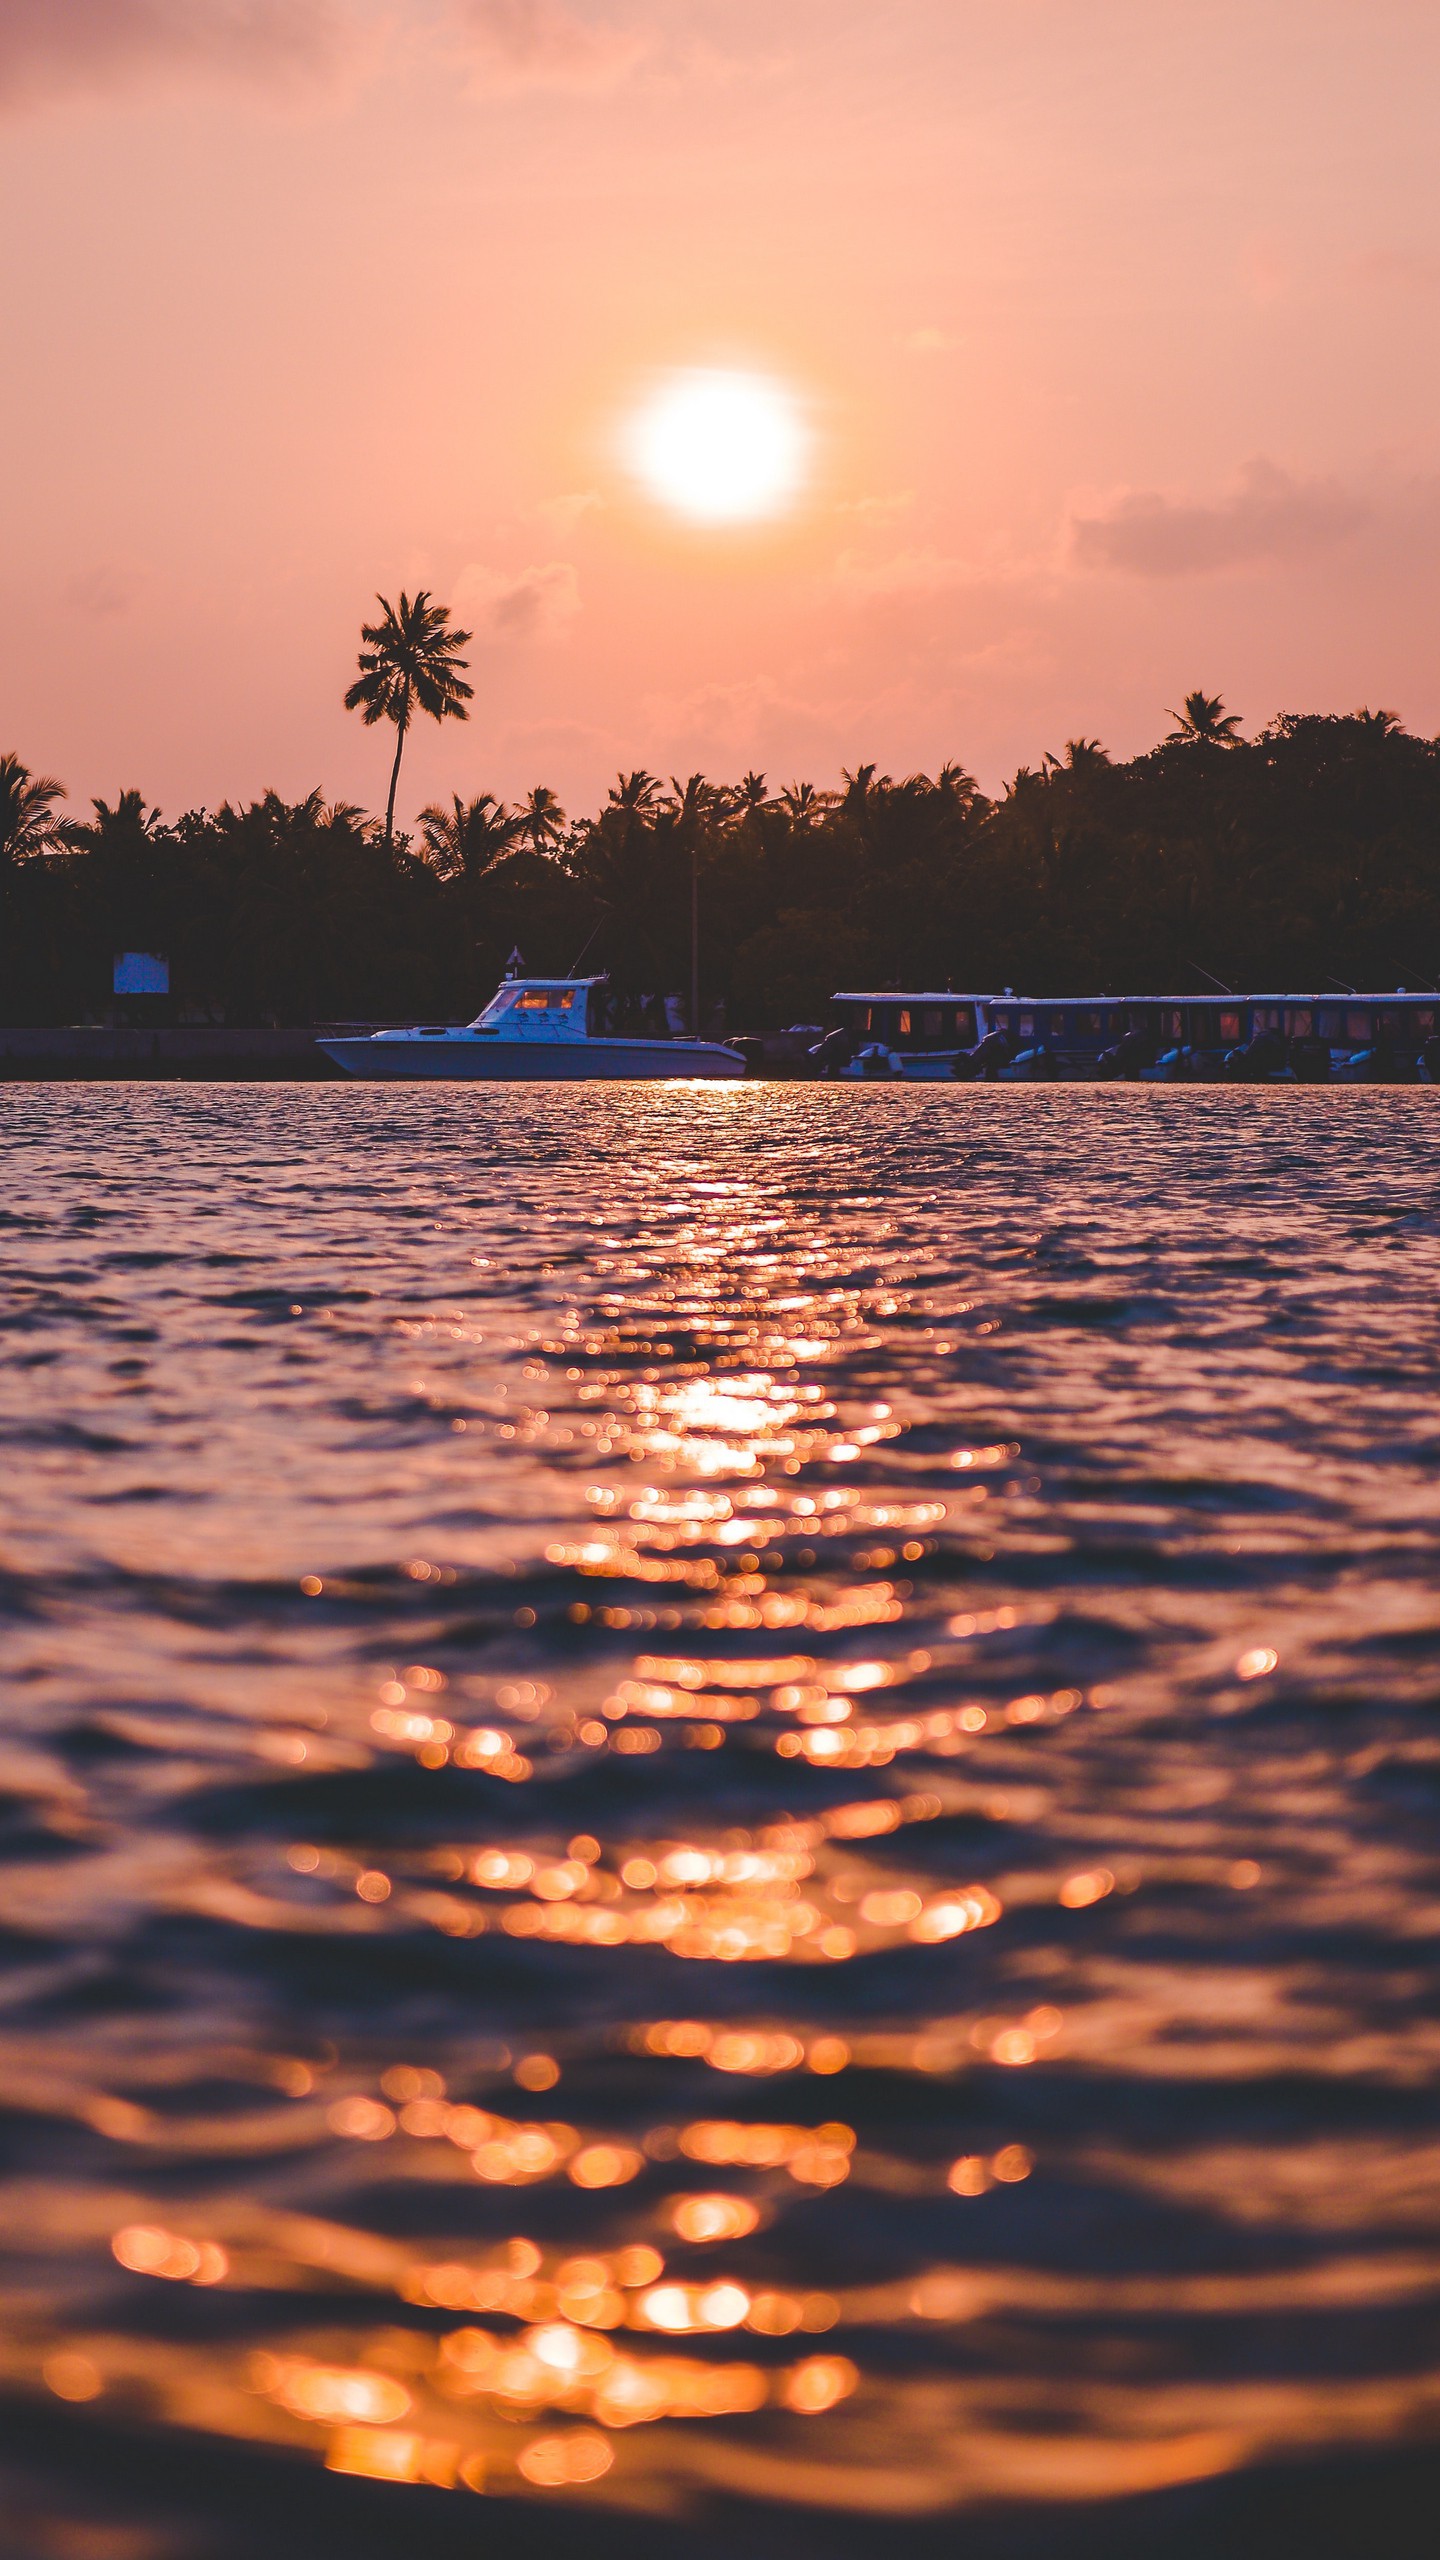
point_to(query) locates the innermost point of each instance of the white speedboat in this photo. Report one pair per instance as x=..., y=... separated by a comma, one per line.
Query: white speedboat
x=536, y=1030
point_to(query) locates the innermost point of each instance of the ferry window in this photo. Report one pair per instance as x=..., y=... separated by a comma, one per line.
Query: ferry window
x=535, y=1000
x=1325, y=1022
x=1027, y=1025
x=1094, y=1022
x=1425, y=1018
x=930, y=1022
x=1177, y=1026
x=1229, y=1026
x=964, y=1023
x=867, y=1018
x=904, y=1022
x=567, y=999
x=1057, y=1025
x=1357, y=1024
x=1302, y=1021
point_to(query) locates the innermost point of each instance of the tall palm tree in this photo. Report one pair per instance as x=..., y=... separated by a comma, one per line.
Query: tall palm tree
x=28, y=823
x=696, y=805
x=410, y=662
x=1204, y=722
x=543, y=819
x=471, y=837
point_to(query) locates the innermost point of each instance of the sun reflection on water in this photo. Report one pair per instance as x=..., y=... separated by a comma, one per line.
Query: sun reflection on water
x=738, y=1879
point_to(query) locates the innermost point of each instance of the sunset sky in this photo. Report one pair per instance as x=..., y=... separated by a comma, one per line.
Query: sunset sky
x=1112, y=329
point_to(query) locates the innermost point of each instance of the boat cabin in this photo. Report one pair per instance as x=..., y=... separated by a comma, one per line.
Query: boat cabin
x=1077, y=1031
x=544, y=1009
x=912, y=1024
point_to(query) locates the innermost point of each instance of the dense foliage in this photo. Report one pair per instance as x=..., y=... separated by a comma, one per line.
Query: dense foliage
x=1308, y=855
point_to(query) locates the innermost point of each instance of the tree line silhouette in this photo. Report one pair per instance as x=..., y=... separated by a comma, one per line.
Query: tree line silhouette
x=1307, y=855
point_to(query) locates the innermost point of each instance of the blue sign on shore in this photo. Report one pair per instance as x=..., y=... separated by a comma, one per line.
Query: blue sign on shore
x=141, y=973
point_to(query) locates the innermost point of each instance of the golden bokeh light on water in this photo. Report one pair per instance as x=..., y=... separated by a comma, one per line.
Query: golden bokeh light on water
x=758, y=1973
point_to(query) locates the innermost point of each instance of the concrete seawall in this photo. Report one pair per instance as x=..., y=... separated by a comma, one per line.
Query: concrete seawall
x=193, y=1054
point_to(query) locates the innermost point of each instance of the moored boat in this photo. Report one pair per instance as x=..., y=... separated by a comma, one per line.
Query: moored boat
x=1392, y=1037
x=919, y=1038
x=535, y=1030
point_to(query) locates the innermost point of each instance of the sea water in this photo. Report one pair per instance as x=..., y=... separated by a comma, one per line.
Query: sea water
x=718, y=1805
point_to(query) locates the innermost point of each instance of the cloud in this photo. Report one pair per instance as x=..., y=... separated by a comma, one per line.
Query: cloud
x=905, y=573
x=565, y=513
x=756, y=718
x=1269, y=516
x=521, y=44
x=877, y=511
x=538, y=604
x=54, y=47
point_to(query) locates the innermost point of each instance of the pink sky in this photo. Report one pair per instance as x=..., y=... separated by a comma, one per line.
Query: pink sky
x=1117, y=326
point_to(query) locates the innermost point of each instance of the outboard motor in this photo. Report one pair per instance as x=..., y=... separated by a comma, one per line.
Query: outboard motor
x=1132, y=1053
x=1380, y=1065
x=1310, y=1058
x=832, y=1053
x=1180, y=1065
x=985, y=1061
x=1256, y=1064
x=1036, y=1066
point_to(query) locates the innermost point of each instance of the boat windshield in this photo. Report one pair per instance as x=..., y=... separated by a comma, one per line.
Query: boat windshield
x=529, y=1006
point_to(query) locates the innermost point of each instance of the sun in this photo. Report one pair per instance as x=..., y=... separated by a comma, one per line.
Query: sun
x=723, y=448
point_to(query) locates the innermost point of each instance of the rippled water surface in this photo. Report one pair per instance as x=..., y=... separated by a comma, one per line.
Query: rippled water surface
x=717, y=1803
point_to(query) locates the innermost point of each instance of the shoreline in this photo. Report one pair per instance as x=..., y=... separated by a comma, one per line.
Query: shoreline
x=192, y=1053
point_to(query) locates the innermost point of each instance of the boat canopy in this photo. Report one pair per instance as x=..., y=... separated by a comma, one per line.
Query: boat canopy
x=539, y=1009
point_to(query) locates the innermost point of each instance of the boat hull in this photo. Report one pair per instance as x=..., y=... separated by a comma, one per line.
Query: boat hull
x=529, y=1061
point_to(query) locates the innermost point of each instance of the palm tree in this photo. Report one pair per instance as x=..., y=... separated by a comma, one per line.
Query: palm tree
x=954, y=784
x=543, y=820
x=470, y=838
x=126, y=824
x=1083, y=756
x=695, y=802
x=28, y=823
x=410, y=661
x=696, y=805
x=1204, y=722
x=803, y=803
x=636, y=793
